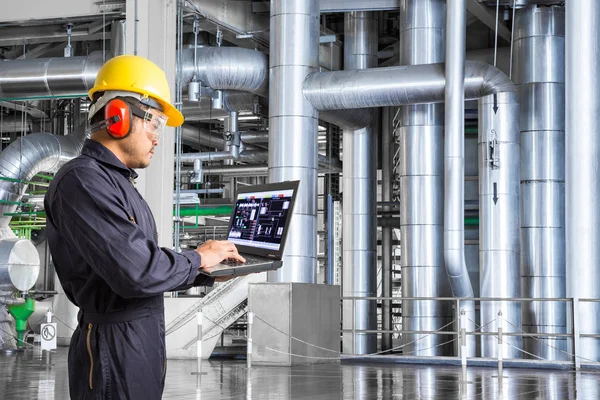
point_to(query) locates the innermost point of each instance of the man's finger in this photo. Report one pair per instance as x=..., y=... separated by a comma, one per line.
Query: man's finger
x=237, y=257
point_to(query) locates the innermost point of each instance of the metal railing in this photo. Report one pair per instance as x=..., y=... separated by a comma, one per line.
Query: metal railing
x=572, y=334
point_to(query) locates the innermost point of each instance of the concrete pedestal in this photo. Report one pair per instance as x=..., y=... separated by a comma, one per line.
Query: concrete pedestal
x=307, y=312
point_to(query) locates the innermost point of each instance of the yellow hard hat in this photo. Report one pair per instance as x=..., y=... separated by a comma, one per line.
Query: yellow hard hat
x=136, y=74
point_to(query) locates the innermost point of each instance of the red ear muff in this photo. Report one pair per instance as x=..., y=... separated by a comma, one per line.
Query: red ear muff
x=118, y=115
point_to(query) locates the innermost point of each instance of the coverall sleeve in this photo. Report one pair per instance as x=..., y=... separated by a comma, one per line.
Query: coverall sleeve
x=90, y=213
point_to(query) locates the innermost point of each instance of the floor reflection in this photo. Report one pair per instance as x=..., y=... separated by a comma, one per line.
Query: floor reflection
x=27, y=375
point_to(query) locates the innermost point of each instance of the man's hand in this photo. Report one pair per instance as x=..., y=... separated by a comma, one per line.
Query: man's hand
x=213, y=252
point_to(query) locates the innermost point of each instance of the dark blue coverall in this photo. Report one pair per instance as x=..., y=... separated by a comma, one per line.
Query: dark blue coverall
x=103, y=241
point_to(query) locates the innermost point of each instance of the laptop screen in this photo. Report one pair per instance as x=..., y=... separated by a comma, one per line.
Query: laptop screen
x=259, y=218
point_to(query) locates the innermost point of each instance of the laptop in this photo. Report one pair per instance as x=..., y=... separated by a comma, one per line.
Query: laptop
x=258, y=227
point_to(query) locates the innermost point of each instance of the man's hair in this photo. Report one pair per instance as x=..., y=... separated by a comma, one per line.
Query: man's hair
x=99, y=116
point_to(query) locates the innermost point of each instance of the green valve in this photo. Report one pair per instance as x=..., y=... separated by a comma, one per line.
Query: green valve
x=21, y=312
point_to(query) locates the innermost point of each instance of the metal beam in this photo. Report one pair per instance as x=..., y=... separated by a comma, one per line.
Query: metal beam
x=11, y=36
x=331, y=6
x=488, y=17
x=40, y=50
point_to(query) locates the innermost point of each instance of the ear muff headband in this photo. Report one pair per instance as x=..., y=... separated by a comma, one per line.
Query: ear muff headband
x=118, y=114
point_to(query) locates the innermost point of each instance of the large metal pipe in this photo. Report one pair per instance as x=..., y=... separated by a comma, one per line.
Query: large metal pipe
x=46, y=77
x=238, y=68
x=26, y=157
x=393, y=86
x=293, y=123
x=117, y=37
x=499, y=240
x=254, y=137
x=582, y=180
x=420, y=133
x=541, y=83
x=360, y=196
x=454, y=164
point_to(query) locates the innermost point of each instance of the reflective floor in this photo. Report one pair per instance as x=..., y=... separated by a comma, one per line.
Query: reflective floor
x=27, y=376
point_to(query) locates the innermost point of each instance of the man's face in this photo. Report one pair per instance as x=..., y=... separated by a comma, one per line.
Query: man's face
x=139, y=146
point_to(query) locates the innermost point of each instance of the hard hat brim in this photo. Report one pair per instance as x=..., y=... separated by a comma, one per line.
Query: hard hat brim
x=175, y=117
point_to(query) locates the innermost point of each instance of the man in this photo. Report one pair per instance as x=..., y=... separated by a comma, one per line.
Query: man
x=103, y=239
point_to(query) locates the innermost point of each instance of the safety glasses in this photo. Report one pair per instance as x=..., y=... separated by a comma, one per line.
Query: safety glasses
x=154, y=122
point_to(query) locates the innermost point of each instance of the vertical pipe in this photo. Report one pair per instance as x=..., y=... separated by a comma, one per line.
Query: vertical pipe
x=499, y=223
x=117, y=38
x=387, y=148
x=421, y=137
x=541, y=84
x=360, y=193
x=582, y=181
x=293, y=122
x=454, y=160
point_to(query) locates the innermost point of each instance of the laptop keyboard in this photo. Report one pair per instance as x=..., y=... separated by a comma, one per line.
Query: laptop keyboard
x=249, y=260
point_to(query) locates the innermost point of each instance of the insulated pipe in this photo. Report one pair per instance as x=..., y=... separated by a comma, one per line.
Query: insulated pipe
x=499, y=228
x=359, y=263
x=541, y=83
x=403, y=86
x=45, y=77
x=582, y=181
x=238, y=68
x=255, y=137
x=454, y=163
x=26, y=157
x=420, y=134
x=394, y=86
x=293, y=123
x=117, y=38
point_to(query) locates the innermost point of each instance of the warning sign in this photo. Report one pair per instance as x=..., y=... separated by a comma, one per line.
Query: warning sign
x=48, y=336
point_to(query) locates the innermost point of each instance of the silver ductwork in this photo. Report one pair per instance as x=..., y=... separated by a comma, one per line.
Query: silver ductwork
x=118, y=40
x=29, y=155
x=393, y=86
x=582, y=180
x=541, y=83
x=238, y=68
x=359, y=198
x=420, y=133
x=255, y=137
x=49, y=77
x=293, y=123
x=454, y=164
x=425, y=84
x=499, y=241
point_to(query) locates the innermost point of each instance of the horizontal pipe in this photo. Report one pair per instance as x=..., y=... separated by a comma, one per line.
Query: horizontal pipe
x=255, y=137
x=228, y=68
x=49, y=77
x=203, y=211
x=397, y=86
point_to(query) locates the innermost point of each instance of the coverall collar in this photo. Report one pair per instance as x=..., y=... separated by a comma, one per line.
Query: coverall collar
x=97, y=151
